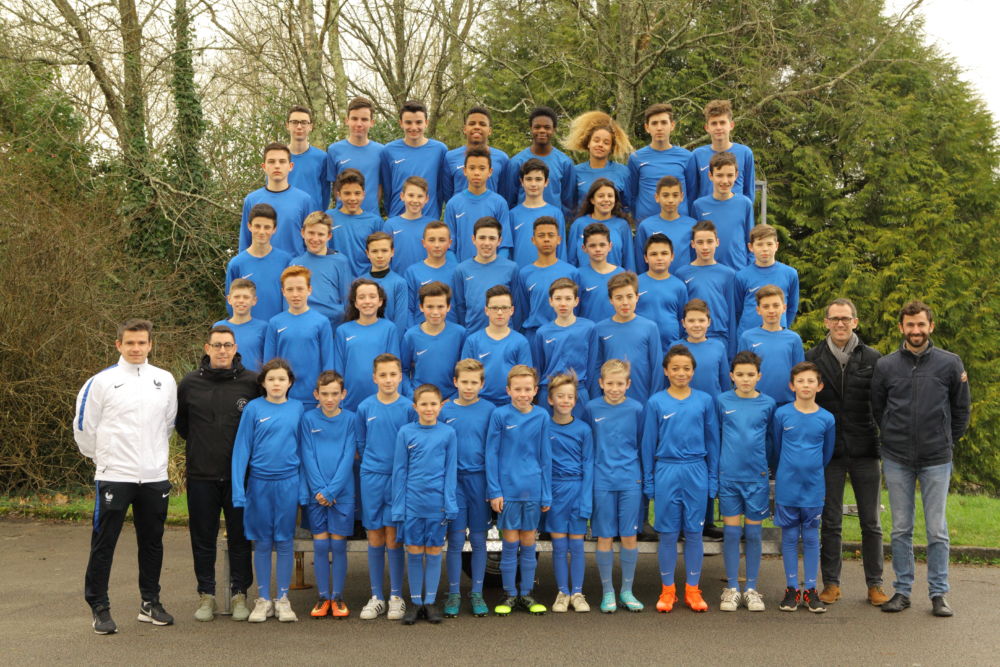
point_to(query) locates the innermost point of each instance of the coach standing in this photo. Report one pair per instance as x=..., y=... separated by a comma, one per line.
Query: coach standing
x=847, y=365
x=210, y=401
x=920, y=395
x=124, y=416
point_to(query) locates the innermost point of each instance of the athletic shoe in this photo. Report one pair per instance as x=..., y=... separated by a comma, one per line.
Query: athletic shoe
x=629, y=601
x=667, y=599
x=753, y=599
x=452, y=605
x=579, y=603
x=411, y=614
x=812, y=601
x=530, y=605
x=372, y=609
x=505, y=607
x=791, y=600
x=103, y=623
x=876, y=596
x=693, y=598
x=432, y=612
x=898, y=602
x=338, y=608
x=396, y=608
x=731, y=599
x=283, y=609
x=712, y=533
x=479, y=607
x=321, y=609
x=561, y=605
x=830, y=594
x=608, y=604
x=153, y=612
x=239, y=606
x=939, y=606
x=263, y=609
x=206, y=608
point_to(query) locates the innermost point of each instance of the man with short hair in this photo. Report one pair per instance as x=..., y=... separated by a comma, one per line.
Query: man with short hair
x=920, y=396
x=210, y=401
x=124, y=416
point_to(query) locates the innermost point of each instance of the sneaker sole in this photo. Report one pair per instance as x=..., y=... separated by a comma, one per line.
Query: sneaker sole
x=143, y=618
x=817, y=611
x=784, y=608
x=632, y=608
x=103, y=632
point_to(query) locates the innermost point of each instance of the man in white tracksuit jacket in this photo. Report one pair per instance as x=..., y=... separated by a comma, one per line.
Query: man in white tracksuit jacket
x=124, y=417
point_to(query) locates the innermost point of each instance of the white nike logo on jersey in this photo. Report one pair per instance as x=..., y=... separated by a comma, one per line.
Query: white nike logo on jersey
x=448, y=421
x=729, y=412
x=588, y=289
x=670, y=415
x=349, y=339
x=579, y=183
x=247, y=276
x=315, y=430
x=484, y=354
x=643, y=292
x=371, y=418
x=789, y=428
x=397, y=231
x=282, y=329
x=424, y=282
x=517, y=227
x=643, y=164
x=599, y=419
x=459, y=215
x=344, y=161
x=262, y=420
x=398, y=161
x=510, y=426
x=607, y=337
x=703, y=168
x=411, y=446
x=335, y=227
x=688, y=280
x=419, y=352
x=469, y=277
x=549, y=340
x=754, y=344
x=532, y=286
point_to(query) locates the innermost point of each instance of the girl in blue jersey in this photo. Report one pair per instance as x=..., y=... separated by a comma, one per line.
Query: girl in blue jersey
x=267, y=444
x=607, y=147
x=603, y=204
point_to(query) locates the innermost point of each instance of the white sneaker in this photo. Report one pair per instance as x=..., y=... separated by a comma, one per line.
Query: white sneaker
x=263, y=609
x=396, y=608
x=372, y=609
x=730, y=599
x=754, y=600
x=579, y=602
x=561, y=605
x=283, y=608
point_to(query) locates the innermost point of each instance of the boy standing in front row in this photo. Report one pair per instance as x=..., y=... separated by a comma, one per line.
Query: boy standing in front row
x=803, y=436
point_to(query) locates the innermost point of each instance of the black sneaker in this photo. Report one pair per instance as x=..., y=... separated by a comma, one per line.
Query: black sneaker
x=791, y=600
x=103, y=623
x=432, y=612
x=897, y=602
x=412, y=613
x=712, y=533
x=810, y=599
x=940, y=606
x=153, y=612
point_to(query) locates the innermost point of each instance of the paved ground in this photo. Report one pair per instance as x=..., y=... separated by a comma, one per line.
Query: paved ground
x=45, y=620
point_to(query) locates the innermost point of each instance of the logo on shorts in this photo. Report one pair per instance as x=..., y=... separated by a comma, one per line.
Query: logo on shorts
x=240, y=404
x=108, y=496
x=165, y=494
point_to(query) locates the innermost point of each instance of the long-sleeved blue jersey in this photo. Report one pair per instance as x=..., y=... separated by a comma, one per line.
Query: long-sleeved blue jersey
x=366, y=159
x=455, y=166
x=267, y=442
x=407, y=241
x=751, y=278
x=522, y=227
x=617, y=433
x=471, y=424
x=803, y=445
x=532, y=291
x=679, y=233
x=662, y=301
x=464, y=209
x=711, y=373
x=733, y=219
x=697, y=171
x=594, y=302
x=400, y=161
x=305, y=341
x=378, y=424
x=292, y=206
x=497, y=358
x=350, y=232
x=328, y=446
x=469, y=283
x=573, y=458
x=557, y=349
x=637, y=342
x=746, y=436
x=715, y=284
x=615, y=172
x=265, y=272
x=778, y=351
x=519, y=455
x=431, y=359
x=621, y=253
x=646, y=167
x=562, y=179
x=680, y=431
x=330, y=281
x=424, y=473
x=397, y=298
x=355, y=347
x=420, y=274
x=249, y=341
x=310, y=176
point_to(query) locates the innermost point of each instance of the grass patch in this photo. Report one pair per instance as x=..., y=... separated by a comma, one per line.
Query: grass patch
x=78, y=507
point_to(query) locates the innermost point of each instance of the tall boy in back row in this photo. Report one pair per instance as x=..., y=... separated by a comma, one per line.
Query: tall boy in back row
x=561, y=189
x=413, y=155
x=310, y=173
x=357, y=151
x=660, y=158
x=719, y=126
x=477, y=129
x=475, y=202
x=290, y=204
x=731, y=213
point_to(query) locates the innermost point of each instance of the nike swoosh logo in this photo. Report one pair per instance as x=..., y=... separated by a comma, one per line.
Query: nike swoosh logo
x=425, y=282
x=119, y=385
x=670, y=415
x=729, y=412
x=599, y=419
x=398, y=161
x=703, y=168
x=579, y=183
x=643, y=164
x=344, y=161
x=516, y=227
x=448, y=421
x=165, y=494
x=419, y=352
x=688, y=280
x=247, y=276
x=371, y=418
x=789, y=428
x=262, y=420
x=755, y=345
x=510, y=426
x=411, y=446
x=459, y=215
x=588, y=289
x=282, y=329
x=336, y=227
x=643, y=292
x=484, y=354
x=397, y=231
x=607, y=337
x=469, y=277
x=549, y=340
x=532, y=286
x=349, y=339
x=315, y=430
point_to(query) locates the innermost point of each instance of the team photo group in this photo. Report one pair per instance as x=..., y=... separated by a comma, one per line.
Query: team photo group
x=424, y=343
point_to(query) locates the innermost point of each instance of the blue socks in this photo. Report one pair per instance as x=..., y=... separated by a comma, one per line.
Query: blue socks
x=321, y=567
x=453, y=562
x=666, y=554
x=376, y=570
x=605, y=563
x=432, y=577
x=810, y=557
x=752, y=531
x=560, y=563
x=790, y=555
x=577, y=564
x=396, y=570
x=339, y=549
x=528, y=566
x=478, y=541
x=415, y=574
x=508, y=567
x=262, y=567
x=731, y=554
x=628, y=558
x=694, y=554
x=283, y=566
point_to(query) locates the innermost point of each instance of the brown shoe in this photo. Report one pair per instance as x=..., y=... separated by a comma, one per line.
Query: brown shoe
x=830, y=594
x=877, y=596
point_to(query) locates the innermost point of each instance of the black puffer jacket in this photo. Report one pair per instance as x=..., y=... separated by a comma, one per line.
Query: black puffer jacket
x=209, y=404
x=847, y=394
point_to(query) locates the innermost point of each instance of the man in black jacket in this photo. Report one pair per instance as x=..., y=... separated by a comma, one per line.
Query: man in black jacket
x=210, y=401
x=847, y=365
x=920, y=395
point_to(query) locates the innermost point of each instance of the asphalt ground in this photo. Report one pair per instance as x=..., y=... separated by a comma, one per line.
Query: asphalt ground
x=46, y=621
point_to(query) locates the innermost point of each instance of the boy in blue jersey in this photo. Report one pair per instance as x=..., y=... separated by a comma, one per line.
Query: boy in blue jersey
x=731, y=213
x=424, y=473
x=248, y=331
x=533, y=280
x=291, y=204
x=310, y=173
x=661, y=295
x=380, y=417
x=669, y=222
x=568, y=344
x=439, y=265
x=561, y=188
x=430, y=349
x=607, y=147
x=413, y=155
x=476, y=202
x=379, y=250
x=357, y=151
x=744, y=416
x=596, y=272
x=261, y=262
x=803, y=434
x=710, y=375
x=474, y=276
x=765, y=270
x=519, y=484
x=660, y=158
x=680, y=465
x=534, y=180
x=616, y=422
x=300, y=334
x=631, y=338
x=477, y=129
x=352, y=225
x=780, y=348
x=408, y=227
x=331, y=271
x=603, y=204
x=328, y=438
x=497, y=346
x=572, y=492
x=713, y=283
x=719, y=125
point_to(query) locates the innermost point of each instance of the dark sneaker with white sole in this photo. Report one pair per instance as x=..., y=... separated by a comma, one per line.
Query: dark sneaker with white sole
x=103, y=623
x=153, y=612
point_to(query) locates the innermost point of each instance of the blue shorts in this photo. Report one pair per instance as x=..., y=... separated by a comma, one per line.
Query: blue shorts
x=422, y=532
x=787, y=516
x=680, y=497
x=520, y=515
x=564, y=515
x=616, y=513
x=473, y=507
x=376, y=500
x=337, y=519
x=751, y=499
x=272, y=505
